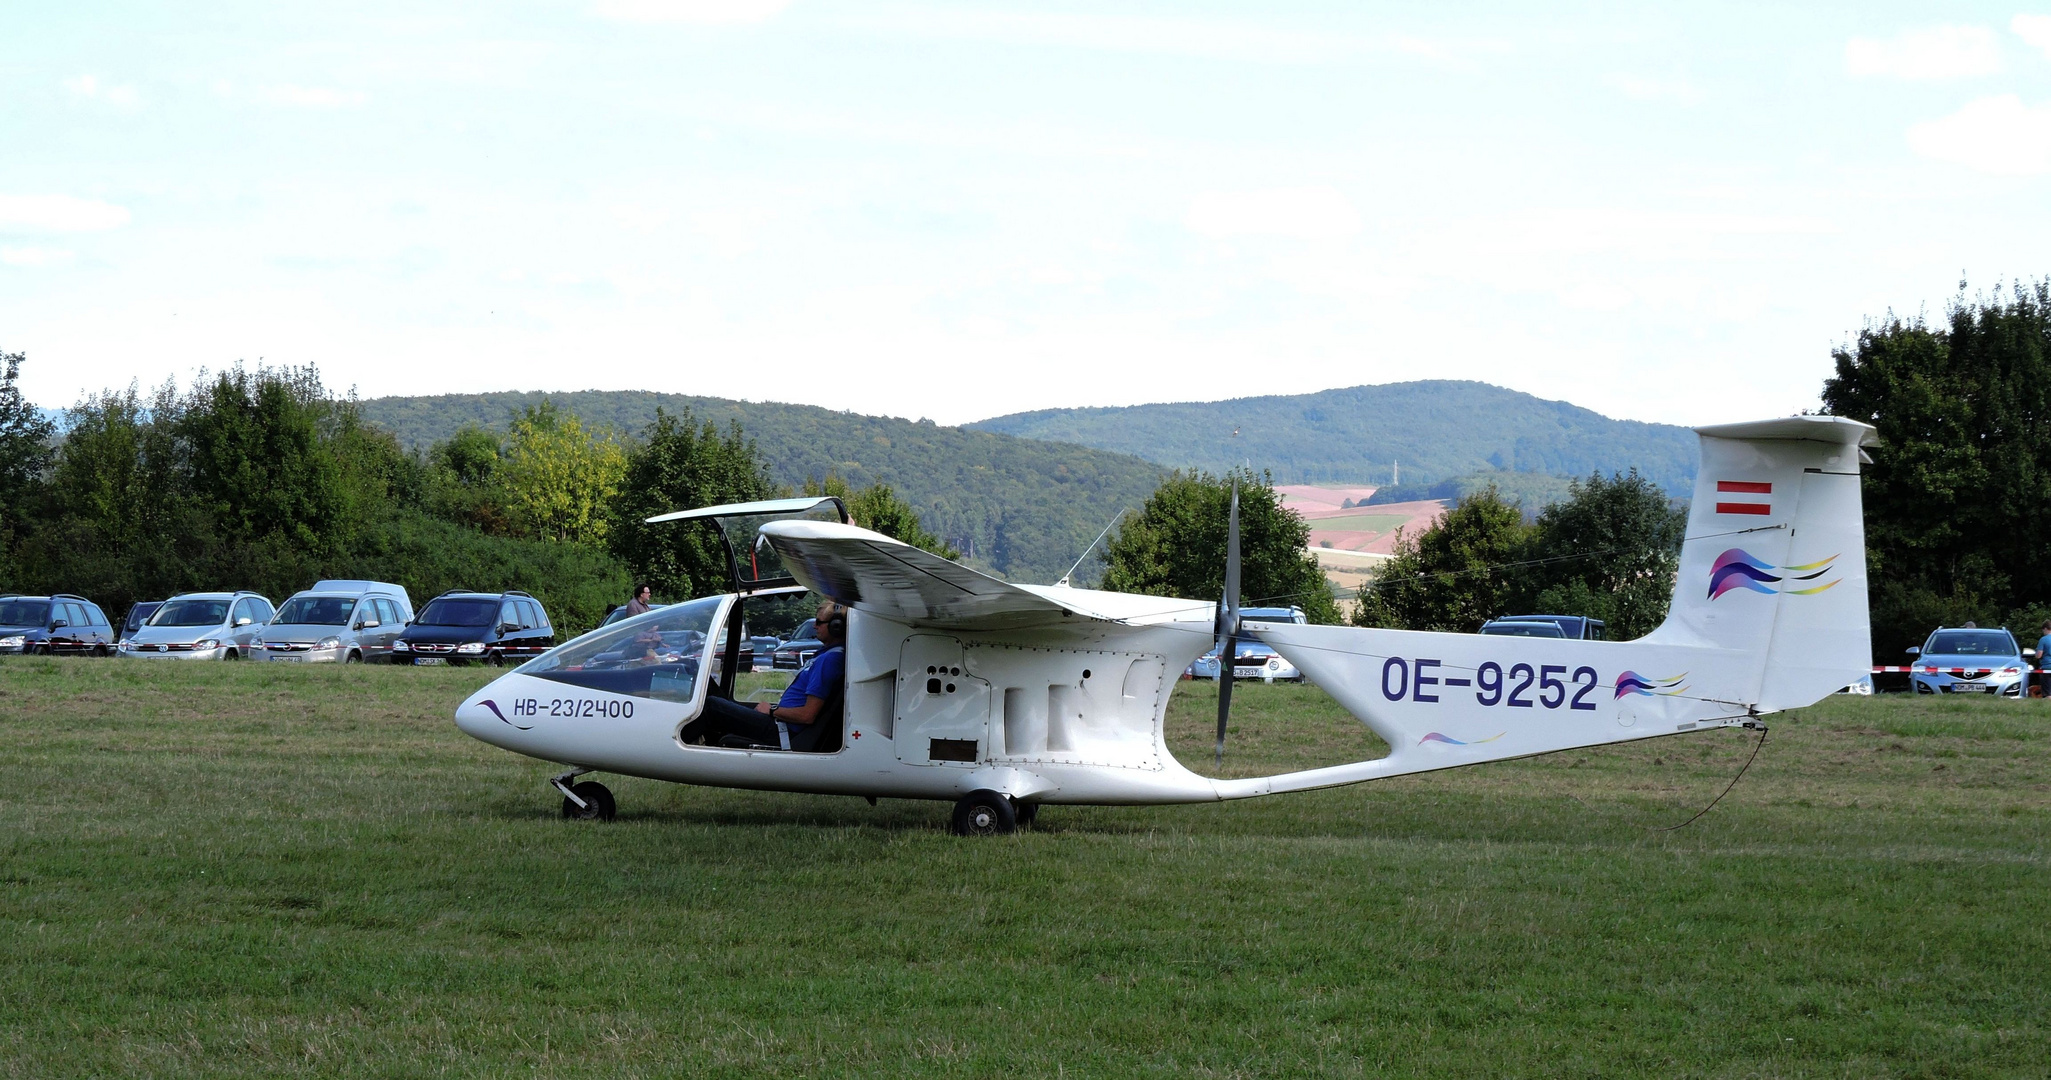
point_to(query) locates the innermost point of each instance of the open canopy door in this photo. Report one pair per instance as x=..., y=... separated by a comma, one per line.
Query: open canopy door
x=754, y=564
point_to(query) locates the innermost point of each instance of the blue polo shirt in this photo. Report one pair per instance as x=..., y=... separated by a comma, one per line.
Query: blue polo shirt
x=818, y=678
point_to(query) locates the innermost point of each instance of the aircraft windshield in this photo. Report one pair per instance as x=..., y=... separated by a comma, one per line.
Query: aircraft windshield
x=1972, y=643
x=316, y=611
x=655, y=655
x=459, y=613
x=191, y=613
x=24, y=612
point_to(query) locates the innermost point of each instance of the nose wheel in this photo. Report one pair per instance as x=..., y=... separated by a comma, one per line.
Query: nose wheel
x=587, y=801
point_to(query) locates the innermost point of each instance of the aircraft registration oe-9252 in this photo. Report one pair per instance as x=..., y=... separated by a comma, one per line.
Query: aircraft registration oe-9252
x=1002, y=697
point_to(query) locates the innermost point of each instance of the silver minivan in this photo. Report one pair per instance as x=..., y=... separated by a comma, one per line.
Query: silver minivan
x=200, y=626
x=338, y=621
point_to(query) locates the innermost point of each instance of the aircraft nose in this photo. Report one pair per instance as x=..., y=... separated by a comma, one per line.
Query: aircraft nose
x=488, y=716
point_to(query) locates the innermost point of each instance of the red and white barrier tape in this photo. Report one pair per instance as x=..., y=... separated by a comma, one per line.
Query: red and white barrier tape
x=1956, y=670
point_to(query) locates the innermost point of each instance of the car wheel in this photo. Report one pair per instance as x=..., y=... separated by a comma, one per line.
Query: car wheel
x=354, y=657
x=100, y=651
x=495, y=658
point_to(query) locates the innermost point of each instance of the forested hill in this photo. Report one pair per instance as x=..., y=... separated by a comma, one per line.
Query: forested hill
x=1025, y=508
x=1437, y=430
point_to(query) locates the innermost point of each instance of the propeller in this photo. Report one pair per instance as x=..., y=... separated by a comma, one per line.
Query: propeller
x=1228, y=621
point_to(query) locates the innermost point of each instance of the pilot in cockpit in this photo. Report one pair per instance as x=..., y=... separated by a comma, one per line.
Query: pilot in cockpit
x=796, y=721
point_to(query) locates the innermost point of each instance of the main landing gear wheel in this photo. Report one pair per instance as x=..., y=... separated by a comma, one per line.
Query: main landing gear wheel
x=598, y=804
x=1026, y=812
x=984, y=813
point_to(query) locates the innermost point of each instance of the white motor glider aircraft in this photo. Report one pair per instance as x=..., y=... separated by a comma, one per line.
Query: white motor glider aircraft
x=1003, y=697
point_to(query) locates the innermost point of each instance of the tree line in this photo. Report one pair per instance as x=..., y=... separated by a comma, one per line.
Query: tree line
x=261, y=478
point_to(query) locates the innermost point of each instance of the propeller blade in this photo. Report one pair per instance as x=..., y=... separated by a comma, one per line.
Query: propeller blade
x=1225, y=692
x=1228, y=619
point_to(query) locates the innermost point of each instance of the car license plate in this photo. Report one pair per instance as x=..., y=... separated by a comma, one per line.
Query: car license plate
x=1246, y=672
x=289, y=659
x=429, y=661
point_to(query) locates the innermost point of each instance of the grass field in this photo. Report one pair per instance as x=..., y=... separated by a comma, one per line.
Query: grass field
x=267, y=870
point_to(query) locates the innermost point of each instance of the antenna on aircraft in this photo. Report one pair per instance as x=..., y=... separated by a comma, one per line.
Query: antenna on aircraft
x=1063, y=583
x=1228, y=621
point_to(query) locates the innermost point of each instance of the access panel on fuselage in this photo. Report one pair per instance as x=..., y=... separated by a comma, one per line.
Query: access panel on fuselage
x=943, y=712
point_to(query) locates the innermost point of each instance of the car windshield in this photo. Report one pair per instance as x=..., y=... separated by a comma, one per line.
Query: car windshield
x=1971, y=643
x=803, y=632
x=190, y=613
x=316, y=611
x=451, y=612
x=142, y=614
x=652, y=655
x=24, y=612
x=1524, y=629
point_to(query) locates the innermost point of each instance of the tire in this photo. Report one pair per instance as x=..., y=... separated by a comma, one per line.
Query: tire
x=984, y=813
x=231, y=654
x=354, y=657
x=40, y=650
x=495, y=658
x=100, y=651
x=599, y=805
x=1026, y=812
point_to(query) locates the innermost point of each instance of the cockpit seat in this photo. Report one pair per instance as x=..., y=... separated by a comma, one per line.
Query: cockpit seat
x=830, y=738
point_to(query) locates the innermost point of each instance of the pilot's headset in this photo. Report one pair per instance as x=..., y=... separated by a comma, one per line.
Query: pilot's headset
x=836, y=620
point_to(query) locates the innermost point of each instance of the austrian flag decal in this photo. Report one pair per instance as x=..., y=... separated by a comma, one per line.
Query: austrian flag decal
x=1758, y=504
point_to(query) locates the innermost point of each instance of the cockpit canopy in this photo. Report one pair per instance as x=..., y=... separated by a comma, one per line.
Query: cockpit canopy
x=755, y=565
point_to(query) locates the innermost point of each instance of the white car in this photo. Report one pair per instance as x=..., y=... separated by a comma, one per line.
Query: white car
x=200, y=626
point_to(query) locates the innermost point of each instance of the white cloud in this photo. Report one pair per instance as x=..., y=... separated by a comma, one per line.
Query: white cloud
x=2034, y=30
x=34, y=256
x=1998, y=135
x=1310, y=213
x=59, y=213
x=702, y=12
x=92, y=89
x=1640, y=88
x=1937, y=52
x=313, y=97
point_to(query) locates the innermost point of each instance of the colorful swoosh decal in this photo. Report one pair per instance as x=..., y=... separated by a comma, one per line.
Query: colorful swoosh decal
x=1739, y=569
x=494, y=707
x=1630, y=682
x=1434, y=736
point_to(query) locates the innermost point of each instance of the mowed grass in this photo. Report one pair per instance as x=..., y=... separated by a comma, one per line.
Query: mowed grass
x=261, y=870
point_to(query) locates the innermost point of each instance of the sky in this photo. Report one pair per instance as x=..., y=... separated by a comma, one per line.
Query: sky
x=960, y=210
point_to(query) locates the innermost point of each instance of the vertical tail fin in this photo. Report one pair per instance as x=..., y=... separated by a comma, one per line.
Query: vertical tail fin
x=1774, y=563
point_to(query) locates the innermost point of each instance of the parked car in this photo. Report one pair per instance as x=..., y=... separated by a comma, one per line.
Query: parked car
x=201, y=626
x=337, y=621
x=1969, y=660
x=803, y=645
x=61, y=624
x=1521, y=628
x=765, y=646
x=1572, y=627
x=1253, y=659
x=138, y=614
x=462, y=627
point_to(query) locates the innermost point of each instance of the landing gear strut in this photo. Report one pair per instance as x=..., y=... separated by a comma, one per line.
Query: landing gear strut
x=588, y=801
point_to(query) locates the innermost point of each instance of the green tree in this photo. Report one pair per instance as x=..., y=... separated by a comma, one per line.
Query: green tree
x=1455, y=574
x=1960, y=485
x=1610, y=551
x=558, y=479
x=1175, y=546
x=878, y=509
x=25, y=436
x=681, y=464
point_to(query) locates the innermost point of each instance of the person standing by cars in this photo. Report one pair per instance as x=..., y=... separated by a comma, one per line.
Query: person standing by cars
x=639, y=605
x=2043, y=661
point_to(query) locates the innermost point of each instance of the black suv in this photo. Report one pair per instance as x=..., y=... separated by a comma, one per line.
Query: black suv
x=459, y=627
x=63, y=625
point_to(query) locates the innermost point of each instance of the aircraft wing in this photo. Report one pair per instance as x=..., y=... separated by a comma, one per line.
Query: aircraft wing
x=871, y=572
